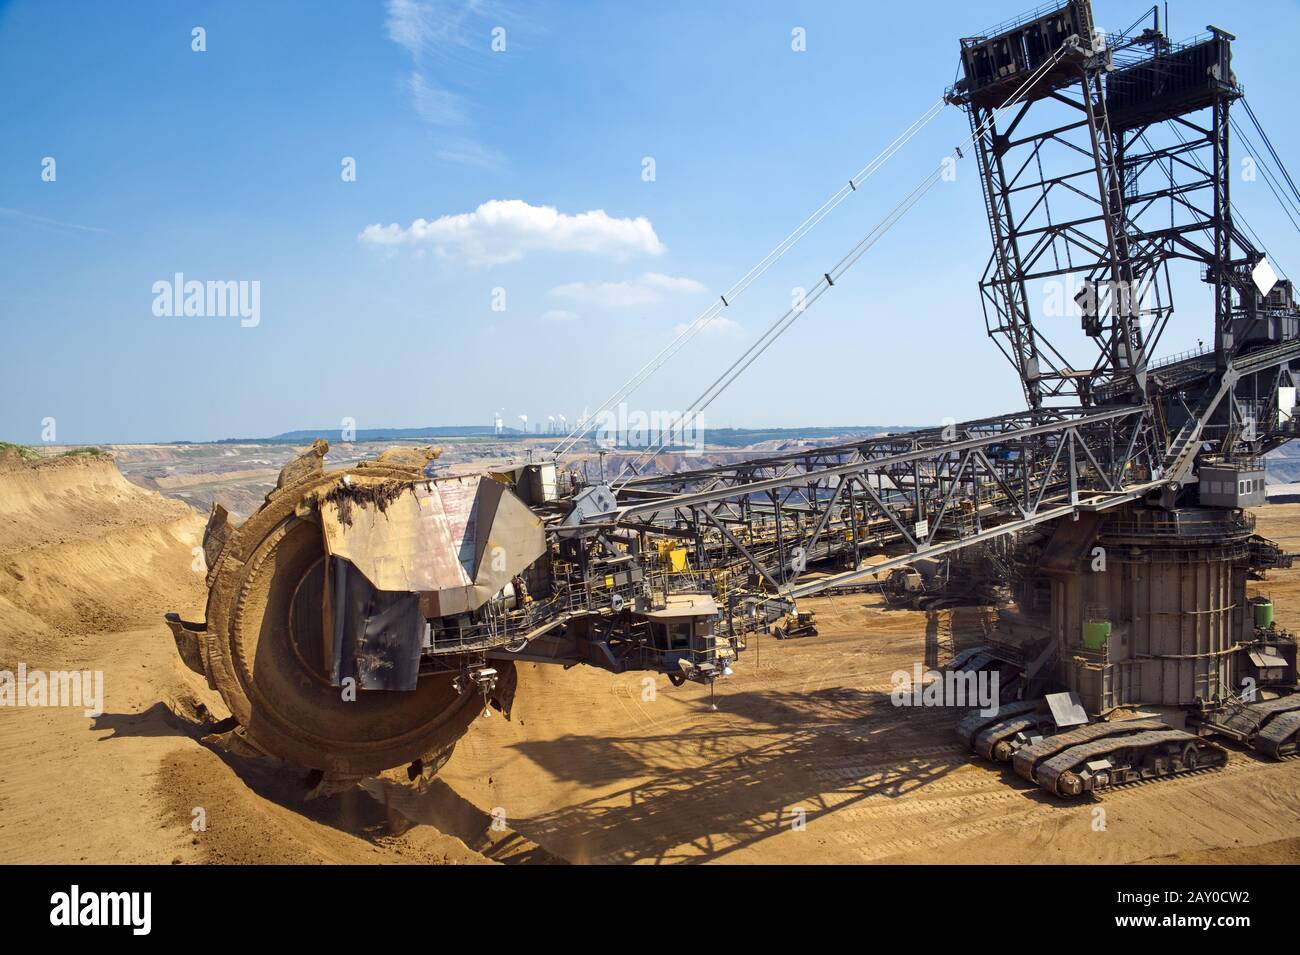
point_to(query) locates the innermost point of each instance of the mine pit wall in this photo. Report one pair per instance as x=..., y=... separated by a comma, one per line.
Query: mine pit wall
x=1174, y=593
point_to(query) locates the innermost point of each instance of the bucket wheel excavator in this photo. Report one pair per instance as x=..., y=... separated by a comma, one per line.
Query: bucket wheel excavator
x=364, y=617
x=274, y=614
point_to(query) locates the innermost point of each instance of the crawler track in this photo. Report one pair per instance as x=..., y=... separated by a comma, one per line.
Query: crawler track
x=1271, y=727
x=1027, y=760
x=1091, y=758
x=1278, y=738
x=1147, y=755
x=975, y=722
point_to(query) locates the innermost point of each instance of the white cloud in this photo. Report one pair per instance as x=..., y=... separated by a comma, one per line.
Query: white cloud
x=430, y=27
x=608, y=294
x=647, y=290
x=409, y=24
x=560, y=315
x=719, y=325
x=434, y=105
x=467, y=152
x=506, y=230
x=448, y=42
x=671, y=283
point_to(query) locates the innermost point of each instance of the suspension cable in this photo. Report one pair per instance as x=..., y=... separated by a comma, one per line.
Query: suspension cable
x=1237, y=215
x=774, y=331
x=1284, y=199
x=784, y=246
x=1268, y=143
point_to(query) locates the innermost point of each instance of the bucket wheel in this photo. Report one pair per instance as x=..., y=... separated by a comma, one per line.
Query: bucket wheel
x=263, y=651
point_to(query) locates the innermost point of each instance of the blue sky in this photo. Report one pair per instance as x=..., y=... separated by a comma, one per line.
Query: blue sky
x=226, y=165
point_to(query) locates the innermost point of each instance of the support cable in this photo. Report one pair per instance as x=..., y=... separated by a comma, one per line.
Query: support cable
x=1275, y=186
x=774, y=331
x=1237, y=216
x=1268, y=143
x=729, y=297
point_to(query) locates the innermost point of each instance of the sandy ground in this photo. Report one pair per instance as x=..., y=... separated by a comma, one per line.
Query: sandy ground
x=804, y=760
x=597, y=773
x=88, y=564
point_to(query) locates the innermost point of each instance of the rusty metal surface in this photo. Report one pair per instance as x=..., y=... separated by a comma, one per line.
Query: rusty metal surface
x=458, y=541
x=188, y=637
x=215, y=535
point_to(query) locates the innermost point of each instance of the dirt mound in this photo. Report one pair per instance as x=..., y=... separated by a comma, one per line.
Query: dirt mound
x=253, y=812
x=83, y=552
x=88, y=564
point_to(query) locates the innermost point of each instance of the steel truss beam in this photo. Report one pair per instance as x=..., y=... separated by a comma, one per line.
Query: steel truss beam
x=914, y=493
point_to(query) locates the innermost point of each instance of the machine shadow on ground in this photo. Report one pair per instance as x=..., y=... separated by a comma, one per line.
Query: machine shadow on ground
x=702, y=795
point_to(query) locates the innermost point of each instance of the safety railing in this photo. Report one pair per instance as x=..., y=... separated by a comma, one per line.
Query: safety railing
x=1006, y=26
x=497, y=627
x=1181, y=524
x=1182, y=356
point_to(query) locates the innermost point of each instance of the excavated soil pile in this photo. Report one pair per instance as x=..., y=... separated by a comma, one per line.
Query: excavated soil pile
x=88, y=565
x=83, y=553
